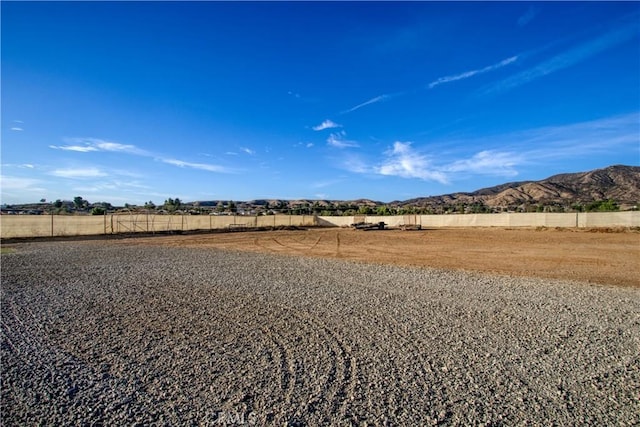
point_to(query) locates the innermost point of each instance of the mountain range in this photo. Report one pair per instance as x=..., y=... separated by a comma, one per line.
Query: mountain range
x=559, y=193
x=618, y=183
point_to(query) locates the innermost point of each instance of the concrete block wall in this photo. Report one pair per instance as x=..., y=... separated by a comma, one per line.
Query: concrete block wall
x=71, y=225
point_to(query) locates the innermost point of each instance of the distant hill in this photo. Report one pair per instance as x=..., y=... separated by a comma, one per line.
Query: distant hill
x=565, y=192
x=619, y=183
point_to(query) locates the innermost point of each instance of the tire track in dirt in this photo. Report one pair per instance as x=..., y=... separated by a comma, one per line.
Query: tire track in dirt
x=315, y=243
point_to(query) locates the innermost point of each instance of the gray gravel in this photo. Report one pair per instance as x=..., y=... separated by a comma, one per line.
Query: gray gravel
x=94, y=333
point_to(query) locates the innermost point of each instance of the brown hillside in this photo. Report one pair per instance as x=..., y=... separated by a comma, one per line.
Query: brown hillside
x=619, y=183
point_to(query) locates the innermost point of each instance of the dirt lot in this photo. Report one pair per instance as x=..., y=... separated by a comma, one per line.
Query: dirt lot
x=598, y=256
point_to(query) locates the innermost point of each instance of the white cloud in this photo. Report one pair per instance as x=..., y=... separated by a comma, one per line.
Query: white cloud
x=78, y=148
x=19, y=166
x=487, y=162
x=86, y=145
x=119, y=185
x=503, y=154
x=568, y=58
x=580, y=139
x=403, y=161
x=467, y=74
x=200, y=166
x=373, y=100
x=95, y=144
x=17, y=183
x=327, y=124
x=17, y=129
x=337, y=140
x=78, y=173
x=248, y=151
x=17, y=189
x=355, y=164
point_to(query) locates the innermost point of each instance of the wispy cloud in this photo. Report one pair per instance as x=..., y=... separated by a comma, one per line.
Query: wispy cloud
x=338, y=140
x=373, y=100
x=19, y=166
x=86, y=145
x=106, y=185
x=499, y=155
x=580, y=139
x=303, y=144
x=78, y=148
x=79, y=173
x=19, y=188
x=355, y=164
x=247, y=151
x=13, y=183
x=200, y=166
x=17, y=127
x=403, y=161
x=568, y=58
x=467, y=74
x=328, y=183
x=528, y=16
x=439, y=81
x=487, y=162
x=327, y=124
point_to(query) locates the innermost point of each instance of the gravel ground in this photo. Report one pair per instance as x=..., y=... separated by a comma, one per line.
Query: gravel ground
x=96, y=334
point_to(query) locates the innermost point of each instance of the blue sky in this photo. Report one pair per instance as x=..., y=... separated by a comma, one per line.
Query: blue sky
x=130, y=102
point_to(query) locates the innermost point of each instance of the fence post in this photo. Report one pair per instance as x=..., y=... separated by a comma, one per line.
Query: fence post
x=51, y=224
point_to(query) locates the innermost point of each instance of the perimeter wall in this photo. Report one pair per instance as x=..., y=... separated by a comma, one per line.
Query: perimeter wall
x=76, y=225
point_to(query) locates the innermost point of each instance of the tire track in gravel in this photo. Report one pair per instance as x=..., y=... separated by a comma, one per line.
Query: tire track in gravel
x=334, y=366
x=392, y=331
x=339, y=385
x=286, y=365
x=54, y=372
x=301, y=341
x=386, y=334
